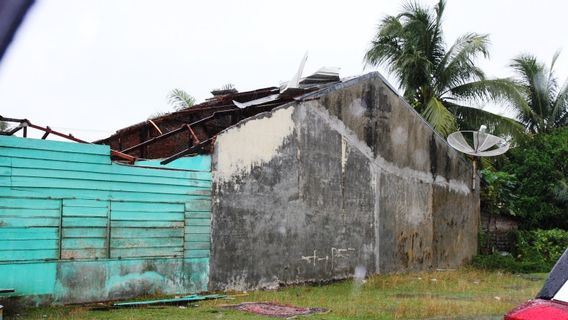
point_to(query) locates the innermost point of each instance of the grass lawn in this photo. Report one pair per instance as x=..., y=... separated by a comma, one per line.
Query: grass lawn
x=462, y=294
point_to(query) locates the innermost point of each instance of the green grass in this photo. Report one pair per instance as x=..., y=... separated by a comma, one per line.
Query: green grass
x=462, y=294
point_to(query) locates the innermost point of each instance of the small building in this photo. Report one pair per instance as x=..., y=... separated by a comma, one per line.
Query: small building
x=273, y=186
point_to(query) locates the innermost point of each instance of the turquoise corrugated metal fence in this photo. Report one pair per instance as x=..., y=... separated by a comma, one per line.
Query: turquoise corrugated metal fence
x=75, y=227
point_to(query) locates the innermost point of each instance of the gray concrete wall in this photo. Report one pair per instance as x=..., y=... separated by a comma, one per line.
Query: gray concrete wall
x=350, y=178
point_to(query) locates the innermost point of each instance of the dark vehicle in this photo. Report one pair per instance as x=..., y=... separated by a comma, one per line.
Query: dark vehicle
x=551, y=303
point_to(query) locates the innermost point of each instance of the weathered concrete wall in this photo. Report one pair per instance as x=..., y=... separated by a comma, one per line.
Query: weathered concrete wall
x=349, y=177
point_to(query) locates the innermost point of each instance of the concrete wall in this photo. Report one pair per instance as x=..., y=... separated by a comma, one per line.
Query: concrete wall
x=348, y=180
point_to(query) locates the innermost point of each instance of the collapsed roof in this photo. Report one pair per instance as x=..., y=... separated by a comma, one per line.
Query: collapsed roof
x=193, y=130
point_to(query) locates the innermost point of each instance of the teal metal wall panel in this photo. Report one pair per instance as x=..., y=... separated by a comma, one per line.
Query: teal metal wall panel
x=34, y=279
x=86, y=229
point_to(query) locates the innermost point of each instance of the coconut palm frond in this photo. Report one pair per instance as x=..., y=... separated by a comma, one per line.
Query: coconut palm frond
x=458, y=65
x=439, y=117
x=559, y=114
x=504, y=91
x=547, y=103
x=180, y=99
x=469, y=118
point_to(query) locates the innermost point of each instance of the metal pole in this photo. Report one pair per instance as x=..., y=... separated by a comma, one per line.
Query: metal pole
x=473, y=179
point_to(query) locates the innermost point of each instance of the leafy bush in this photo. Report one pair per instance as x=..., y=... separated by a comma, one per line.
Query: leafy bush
x=542, y=245
x=541, y=169
x=497, y=196
x=536, y=251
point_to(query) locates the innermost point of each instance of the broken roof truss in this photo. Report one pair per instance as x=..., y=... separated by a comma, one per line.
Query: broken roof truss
x=193, y=130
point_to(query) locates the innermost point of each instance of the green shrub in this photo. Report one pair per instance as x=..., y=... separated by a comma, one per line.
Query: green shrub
x=536, y=251
x=507, y=263
x=541, y=245
x=540, y=187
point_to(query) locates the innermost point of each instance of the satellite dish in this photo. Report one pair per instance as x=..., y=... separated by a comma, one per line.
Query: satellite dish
x=478, y=144
x=482, y=144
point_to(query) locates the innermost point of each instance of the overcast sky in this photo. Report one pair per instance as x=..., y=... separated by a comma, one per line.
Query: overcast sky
x=91, y=67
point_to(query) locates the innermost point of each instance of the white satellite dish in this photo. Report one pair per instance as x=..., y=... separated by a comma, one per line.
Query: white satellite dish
x=478, y=144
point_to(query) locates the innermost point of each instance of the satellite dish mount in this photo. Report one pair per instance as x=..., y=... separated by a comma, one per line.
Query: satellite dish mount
x=477, y=144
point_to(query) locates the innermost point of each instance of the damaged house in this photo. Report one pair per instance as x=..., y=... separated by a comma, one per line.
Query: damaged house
x=247, y=190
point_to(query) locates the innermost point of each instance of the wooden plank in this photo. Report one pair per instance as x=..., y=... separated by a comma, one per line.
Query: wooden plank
x=105, y=176
x=83, y=243
x=90, y=253
x=198, y=215
x=55, y=193
x=69, y=183
x=146, y=243
x=51, y=145
x=84, y=232
x=5, y=171
x=84, y=222
x=29, y=233
x=5, y=162
x=197, y=246
x=29, y=213
x=200, y=162
x=85, y=203
x=147, y=216
x=147, y=207
x=194, y=173
x=55, y=155
x=28, y=255
x=128, y=233
x=190, y=194
x=146, y=224
x=146, y=252
x=28, y=222
x=196, y=253
x=5, y=181
x=198, y=205
x=61, y=165
x=85, y=211
x=198, y=237
x=29, y=244
x=198, y=222
x=112, y=169
x=44, y=183
x=197, y=229
x=157, y=188
x=28, y=203
x=99, y=194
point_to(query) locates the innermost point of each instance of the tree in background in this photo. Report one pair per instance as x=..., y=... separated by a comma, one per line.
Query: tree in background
x=437, y=80
x=545, y=104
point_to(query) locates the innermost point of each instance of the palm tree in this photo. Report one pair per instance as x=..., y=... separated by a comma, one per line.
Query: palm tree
x=180, y=99
x=545, y=104
x=438, y=80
